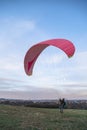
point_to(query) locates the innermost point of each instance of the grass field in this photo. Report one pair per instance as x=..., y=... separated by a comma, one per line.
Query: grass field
x=27, y=118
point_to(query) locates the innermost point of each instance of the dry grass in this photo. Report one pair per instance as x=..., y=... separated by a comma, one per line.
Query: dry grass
x=27, y=118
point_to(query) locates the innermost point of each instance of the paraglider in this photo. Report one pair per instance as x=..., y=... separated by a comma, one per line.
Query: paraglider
x=33, y=53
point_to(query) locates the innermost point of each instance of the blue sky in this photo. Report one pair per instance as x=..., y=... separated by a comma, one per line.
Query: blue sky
x=24, y=23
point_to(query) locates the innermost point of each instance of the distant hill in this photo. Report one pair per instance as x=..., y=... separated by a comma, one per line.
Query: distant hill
x=70, y=104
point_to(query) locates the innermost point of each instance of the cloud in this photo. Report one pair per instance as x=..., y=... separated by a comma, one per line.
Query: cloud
x=14, y=34
x=45, y=93
x=16, y=27
x=11, y=84
x=14, y=30
x=11, y=44
x=52, y=68
x=60, y=70
x=10, y=64
x=81, y=60
x=79, y=68
x=53, y=59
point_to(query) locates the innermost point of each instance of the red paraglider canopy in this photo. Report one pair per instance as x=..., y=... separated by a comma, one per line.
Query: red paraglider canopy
x=33, y=53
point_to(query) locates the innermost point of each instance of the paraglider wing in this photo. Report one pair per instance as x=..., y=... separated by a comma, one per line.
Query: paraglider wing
x=33, y=53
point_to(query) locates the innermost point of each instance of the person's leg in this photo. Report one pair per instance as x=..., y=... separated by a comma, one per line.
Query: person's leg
x=61, y=109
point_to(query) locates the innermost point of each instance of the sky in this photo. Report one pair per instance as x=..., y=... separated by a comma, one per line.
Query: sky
x=24, y=23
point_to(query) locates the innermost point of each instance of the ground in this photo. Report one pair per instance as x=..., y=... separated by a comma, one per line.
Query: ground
x=28, y=118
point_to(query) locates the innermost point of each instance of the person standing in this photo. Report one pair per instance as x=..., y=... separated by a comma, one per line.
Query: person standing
x=62, y=104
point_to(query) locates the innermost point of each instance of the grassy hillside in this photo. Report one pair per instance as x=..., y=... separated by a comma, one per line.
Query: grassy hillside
x=26, y=118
